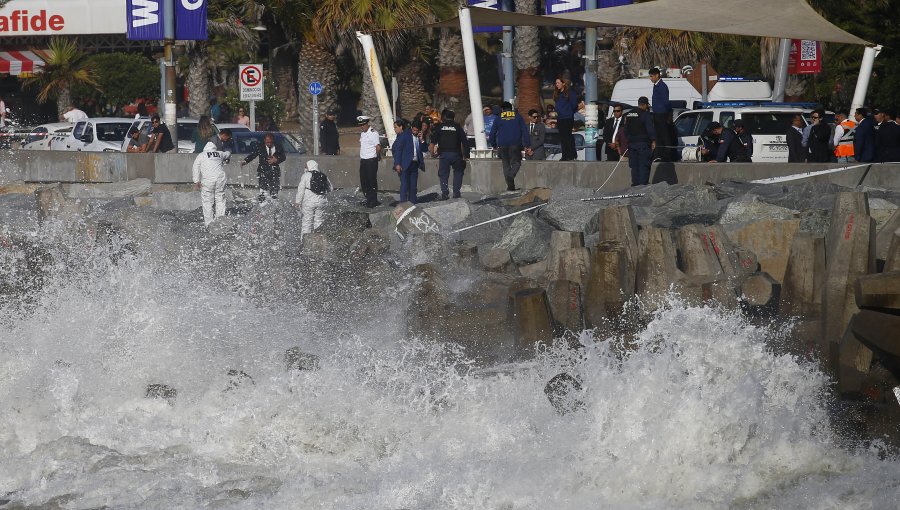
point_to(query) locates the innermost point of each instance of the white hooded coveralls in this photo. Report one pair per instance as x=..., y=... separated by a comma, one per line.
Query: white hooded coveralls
x=312, y=205
x=209, y=172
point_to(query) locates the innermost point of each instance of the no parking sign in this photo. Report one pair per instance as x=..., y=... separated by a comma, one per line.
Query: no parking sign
x=251, y=80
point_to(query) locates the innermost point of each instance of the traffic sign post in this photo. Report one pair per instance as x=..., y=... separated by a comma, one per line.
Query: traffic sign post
x=251, y=83
x=315, y=88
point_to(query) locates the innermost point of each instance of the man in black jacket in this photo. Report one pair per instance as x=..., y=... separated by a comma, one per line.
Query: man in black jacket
x=329, y=138
x=796, y=151
x=736, y=144
x=887, y=137
x=269, y=172
x=610, y=131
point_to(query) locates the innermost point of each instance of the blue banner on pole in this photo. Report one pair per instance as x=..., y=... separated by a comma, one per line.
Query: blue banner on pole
x=190, y=20
x=485, y=4
x=561, y=6
x=145, y=20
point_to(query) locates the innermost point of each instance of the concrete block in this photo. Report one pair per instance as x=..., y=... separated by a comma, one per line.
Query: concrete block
x=725, y=252
x=656, y=268
x=879, y=331
x=572, y=264
x=892, y=256
x=65, y=166
x=532, y=320
x=761, y=293
x=878, y=290
x=854, y=360
x=696, y=252
x=136, y=187
x=618, y=224
x=176, y=200
x=413, y=220
x=499, y=261
x=886, y=235
x=749, y=208
x=851, y=256
x=566, y=304
x=427, y=303
x=844, y=203
x=748, y=262
x=536, y=271
x=608, y=286
x=702, y=290
x=770, y=240
x=529, y=197
x=804, y=277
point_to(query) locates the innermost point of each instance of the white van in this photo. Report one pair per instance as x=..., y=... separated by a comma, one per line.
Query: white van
x=629, y=90
x=768, y=124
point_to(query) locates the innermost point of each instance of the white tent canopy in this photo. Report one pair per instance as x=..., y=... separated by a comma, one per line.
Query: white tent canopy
x=784, y=19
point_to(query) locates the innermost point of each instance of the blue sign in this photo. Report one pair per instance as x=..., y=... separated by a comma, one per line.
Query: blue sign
x=561, y=6
x=190, y=20
x=145, y=20
x=485, y=4
x=315, y=88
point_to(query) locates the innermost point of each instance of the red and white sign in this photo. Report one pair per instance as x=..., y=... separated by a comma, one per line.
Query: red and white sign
x=62, y=17
x=251, y=77
x=19, y=62
x=805, y=57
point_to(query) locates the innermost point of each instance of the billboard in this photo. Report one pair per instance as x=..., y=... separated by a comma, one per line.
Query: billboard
x=805, y=57
x=146, y=20
x=62, y=17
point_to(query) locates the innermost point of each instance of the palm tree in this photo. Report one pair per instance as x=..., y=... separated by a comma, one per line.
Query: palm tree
x=412, y=95
x=654, y=47
x=527, y=56
x=66, y=66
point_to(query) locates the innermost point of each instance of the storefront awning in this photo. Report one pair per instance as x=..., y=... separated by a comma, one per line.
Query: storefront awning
x=16, y=62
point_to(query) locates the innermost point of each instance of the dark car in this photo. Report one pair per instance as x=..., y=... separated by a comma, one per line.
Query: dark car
x=247, y=142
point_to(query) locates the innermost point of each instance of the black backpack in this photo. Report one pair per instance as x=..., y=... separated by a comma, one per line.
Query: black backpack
x=318, y=182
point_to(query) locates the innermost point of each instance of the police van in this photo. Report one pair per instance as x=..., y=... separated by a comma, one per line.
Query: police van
x=768, y=123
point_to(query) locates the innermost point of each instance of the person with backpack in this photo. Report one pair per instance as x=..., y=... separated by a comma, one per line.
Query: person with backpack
x=311, y=196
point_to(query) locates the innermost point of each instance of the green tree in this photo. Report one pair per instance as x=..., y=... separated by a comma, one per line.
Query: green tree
x=120, y=77
x=272, y=106
x=66, y=66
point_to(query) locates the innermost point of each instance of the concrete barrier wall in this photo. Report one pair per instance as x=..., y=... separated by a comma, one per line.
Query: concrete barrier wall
x=485, y=176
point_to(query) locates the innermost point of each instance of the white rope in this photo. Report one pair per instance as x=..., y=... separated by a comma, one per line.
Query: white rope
x=631, y=195
x=804, y=175
x=510, y=215
x=613, y=171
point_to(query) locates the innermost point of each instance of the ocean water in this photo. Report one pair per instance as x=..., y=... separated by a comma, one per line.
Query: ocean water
x=700, y=413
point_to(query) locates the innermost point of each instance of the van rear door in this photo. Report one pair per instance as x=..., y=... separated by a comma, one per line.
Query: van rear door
x=769, y=131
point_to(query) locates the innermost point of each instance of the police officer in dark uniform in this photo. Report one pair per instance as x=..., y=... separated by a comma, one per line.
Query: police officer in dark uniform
x=450, y=140
x=509, y=135
x=641, y=136
x=736, y=144
x=709, y=142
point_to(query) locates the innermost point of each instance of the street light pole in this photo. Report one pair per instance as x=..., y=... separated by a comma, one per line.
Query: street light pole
x=171, y=115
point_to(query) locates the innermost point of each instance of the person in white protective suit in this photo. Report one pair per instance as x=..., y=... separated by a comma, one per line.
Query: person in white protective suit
x=311, y=196
x=210, y=178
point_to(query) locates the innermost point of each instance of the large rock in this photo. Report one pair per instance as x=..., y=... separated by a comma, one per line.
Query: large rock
x=804, y=277
x=880, y=290
x=53, y=204
x=570, y=215
x=749, y=208
x=19, y=213
x=770, y=240
x=885, y=234
x=617, y=224
x=609, y=286
x=696, y=252
x=561, y=240
x=657, y=265
x=110, y=190
x=498, y=260
x=484, y=236
x=677, y=205
x=527, y=239
x=449, y=213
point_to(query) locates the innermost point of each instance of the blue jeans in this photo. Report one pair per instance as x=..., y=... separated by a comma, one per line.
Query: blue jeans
x=639, y=159
x=409, y=179
x=454, y=160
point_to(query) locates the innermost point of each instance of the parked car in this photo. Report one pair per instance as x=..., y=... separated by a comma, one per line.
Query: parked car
x=768, y=123
x=247, y=141
x=38, y=139
x=11, y=137
x=103, y=134
x=186, y=129
x=554, y=149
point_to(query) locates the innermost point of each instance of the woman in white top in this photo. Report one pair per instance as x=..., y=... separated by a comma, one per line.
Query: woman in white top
x=311, y=196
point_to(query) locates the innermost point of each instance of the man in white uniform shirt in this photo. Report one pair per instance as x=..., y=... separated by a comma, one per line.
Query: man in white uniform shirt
x=369, y=149
x=73, y=115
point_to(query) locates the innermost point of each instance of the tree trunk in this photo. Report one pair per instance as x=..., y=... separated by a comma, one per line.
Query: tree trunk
x=315, y=63
x=527, y=58
x=412, y=97
x=453, y=91
x=282, y=58
x=63, y=99
x=198, y=83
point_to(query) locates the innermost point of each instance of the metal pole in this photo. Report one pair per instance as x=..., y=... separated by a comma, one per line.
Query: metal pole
x=169, y=43
x=315, y=112
x=781, y=70
x=509, y=85
x=862, y=82
x=590, y=85
x=252, y=115
x=468, y=39
x=161, y=107
x=704, y=85
x=384, y=104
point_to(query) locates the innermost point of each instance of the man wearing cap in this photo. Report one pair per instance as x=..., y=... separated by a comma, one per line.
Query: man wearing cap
x=329, y=139
x=709, y=141
x=450, y=139
x=662, y=115
x=736, y=145
x=369, y=150
x=640, y=134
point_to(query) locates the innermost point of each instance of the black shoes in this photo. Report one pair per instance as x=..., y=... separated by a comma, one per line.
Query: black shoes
x=445, y=196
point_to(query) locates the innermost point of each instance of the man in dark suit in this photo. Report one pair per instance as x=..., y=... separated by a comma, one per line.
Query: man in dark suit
x=610, y=132
x=887, y=137
x=408, y=159
x=864, y=137
x=269, y=172
x=538, y=133
x=796, y=150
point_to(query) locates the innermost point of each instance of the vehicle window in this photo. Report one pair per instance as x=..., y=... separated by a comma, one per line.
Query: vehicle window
x=135, y=126
x=767, y=123
x=551, y=138
x=703, y=120
x=579, y=140
x=78, y=130
x=726, y=119
x=186, y=131
x=246, y=143
x=36, y=134
x=685, y=124
x=88, y=130
x=113, y=132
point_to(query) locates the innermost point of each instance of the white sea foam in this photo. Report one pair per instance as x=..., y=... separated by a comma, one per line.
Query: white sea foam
x=699, y=414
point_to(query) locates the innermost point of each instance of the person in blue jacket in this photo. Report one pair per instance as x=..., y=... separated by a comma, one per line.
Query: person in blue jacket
x=662, y=116
x=566, y=106
x=408, y=160
x=510, y=135
x=864, y=137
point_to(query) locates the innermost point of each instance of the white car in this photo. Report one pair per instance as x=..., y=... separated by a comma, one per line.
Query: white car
x=104, y=134
x=39, y=138
x=186, y=129
x=768, y=124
